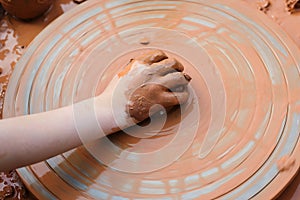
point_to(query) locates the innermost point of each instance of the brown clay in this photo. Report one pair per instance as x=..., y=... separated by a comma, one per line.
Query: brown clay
x=26, y=9
x=263, y=5
x=284, y=12
x=12, y=188
x=292, y=5
x=152, y=57
x=144, y=41
x=144, y=100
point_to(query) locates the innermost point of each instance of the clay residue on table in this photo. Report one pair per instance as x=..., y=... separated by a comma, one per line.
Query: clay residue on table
x=15, y=37
x=292, y=5
x=12, y=188
x=286, y=13
x=263, y=5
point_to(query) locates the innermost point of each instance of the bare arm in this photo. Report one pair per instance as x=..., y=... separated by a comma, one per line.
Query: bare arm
x=32, y=138
x=129, y=98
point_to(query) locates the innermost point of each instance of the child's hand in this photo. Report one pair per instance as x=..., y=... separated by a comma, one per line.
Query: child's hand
x=147, y=81
x=132, y=96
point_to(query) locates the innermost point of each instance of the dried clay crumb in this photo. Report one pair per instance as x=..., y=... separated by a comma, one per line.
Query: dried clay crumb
x=79, y=1
x=292, y=5
x=144, y=41
x=285, y=163
x=263, y=5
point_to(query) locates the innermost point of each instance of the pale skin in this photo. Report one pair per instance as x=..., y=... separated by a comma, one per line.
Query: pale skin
x=146, y=81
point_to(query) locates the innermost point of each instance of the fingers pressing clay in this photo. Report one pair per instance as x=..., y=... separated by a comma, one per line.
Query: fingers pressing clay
x=173, y=80
x=144, y=98
x=152, y=57
x=163, y=84
x=167, y=66
x=174, y=98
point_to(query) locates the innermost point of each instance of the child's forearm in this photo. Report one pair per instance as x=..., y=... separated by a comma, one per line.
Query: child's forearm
x=32, y=138
x=147, y=81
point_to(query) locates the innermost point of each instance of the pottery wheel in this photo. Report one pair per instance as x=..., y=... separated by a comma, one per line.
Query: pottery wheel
x=237, y=139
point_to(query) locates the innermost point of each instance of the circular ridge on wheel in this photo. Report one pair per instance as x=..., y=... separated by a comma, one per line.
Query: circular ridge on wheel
x=241, y=123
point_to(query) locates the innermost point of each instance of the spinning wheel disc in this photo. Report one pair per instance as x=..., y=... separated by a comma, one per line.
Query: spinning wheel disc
x=243, y=142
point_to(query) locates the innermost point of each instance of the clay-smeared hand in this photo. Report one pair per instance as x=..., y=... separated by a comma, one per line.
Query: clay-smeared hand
x=164, y=85
x=149, y=80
